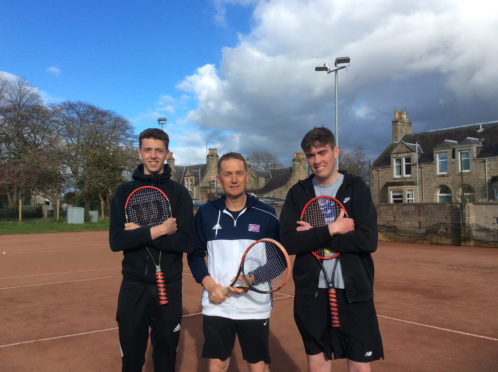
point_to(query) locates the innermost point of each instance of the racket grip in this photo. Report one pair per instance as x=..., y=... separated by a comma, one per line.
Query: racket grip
x=161, y=288
x=334, y=309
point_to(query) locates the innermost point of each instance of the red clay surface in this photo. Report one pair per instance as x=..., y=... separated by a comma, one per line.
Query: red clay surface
x=437, y=309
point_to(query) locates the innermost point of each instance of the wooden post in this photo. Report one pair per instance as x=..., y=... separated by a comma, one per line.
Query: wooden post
x=57, y=211
x=20, y=210
x=102, y=208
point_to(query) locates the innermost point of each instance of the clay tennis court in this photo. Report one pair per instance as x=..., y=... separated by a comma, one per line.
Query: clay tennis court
x=437, y=309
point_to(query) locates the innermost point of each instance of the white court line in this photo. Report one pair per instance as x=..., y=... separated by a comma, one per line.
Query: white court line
x=195, y=314
x=438, y=328
x=56, y=273
x=415, y=323
x=74, y=334
x=58, y=337
x=53, y=283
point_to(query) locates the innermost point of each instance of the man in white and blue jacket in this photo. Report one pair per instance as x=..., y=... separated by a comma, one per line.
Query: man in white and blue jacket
x=225, y=227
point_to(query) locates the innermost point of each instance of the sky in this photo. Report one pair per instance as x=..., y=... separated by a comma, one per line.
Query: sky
x=239, y=75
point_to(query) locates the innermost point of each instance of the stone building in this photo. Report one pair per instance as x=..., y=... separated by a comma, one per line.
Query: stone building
x=441, y=166
x=271, y=184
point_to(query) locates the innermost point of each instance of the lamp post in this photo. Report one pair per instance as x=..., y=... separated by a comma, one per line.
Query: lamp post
x=339, y=64
x=162, y=122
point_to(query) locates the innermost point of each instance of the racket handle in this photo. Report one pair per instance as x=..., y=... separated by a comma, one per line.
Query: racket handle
x=334, y=309
x=161, y=288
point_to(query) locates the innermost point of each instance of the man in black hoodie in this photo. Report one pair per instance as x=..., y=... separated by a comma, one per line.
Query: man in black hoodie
x=358, y=338
x=143, y=247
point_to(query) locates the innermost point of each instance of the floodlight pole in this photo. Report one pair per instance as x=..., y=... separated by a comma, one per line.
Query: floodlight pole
x=340, y=63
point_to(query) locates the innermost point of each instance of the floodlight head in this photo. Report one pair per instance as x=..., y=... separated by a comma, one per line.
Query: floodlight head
x=341, y=60
x=325, y=67
x=162, y=120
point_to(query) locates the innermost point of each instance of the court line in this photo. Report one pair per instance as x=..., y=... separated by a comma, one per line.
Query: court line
x=58, y=337
x=74, y=334
x=199, y=313
x=438, y=328
x=53, y=283
x=56, y=273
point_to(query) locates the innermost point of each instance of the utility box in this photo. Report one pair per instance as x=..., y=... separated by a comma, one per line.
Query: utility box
x=94, y=216
x=75, y=215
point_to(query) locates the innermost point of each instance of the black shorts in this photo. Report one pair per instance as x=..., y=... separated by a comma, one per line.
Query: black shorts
x=358, y=337
x=219, y=338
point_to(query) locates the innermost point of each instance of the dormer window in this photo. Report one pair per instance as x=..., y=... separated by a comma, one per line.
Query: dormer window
x=442, y=163
x=465, y=160
x=402, y=166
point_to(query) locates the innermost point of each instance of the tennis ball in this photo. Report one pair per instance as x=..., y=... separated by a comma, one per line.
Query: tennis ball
x=4, y=252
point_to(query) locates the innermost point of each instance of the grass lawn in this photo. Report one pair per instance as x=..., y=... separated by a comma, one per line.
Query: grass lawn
x=49, y=226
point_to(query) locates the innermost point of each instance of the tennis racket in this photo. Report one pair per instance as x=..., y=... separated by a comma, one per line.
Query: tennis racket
x=149, y=206
x=264, y=267
x=321, y=211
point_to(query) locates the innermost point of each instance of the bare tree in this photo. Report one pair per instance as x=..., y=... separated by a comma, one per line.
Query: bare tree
x=355, y=162
x=263, y=161
x=98, y=148
x=28, y=142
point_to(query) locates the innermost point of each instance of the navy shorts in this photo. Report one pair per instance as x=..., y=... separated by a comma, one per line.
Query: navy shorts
x=358, y=337
x=219, y=338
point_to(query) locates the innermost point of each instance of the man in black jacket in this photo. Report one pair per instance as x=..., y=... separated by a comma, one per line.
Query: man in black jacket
x=145, y=247
x=358, y=338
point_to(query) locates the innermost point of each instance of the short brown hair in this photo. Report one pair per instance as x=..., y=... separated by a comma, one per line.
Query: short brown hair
x=232, y=155
x=318, y=136
x=155, y=133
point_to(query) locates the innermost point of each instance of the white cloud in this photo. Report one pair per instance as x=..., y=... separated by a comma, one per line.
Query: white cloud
x=404, y=55
x=46, y=98
x=52, y=70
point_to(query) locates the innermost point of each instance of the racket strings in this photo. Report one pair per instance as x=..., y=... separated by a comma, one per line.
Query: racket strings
x=266, y=265
x=321, y=212
x=148, y=207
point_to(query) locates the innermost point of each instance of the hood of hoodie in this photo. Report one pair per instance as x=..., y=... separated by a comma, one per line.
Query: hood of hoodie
x=139, y=175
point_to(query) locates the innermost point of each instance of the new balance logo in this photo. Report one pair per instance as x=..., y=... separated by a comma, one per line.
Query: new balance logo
x=368, y=354
x=177, y=328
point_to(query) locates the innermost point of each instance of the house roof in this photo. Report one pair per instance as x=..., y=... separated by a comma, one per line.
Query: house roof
x=178, y=172
x=275, y=178
x=181, y=170
x=484, y=135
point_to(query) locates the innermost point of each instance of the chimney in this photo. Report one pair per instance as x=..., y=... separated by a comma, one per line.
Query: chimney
x=171, y=162
x=212, y=162
x=401, y=125
x=299, y=167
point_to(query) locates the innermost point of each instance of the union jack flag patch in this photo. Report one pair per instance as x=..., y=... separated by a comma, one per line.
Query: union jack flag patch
x=254, y=227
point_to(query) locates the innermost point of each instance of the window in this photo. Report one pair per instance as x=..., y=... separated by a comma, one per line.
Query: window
x=410, y=196
x=467, y=193
x=442, y=163
x=402, y=166
x=397, y=196
x=397, y=167
x=189, y=183
x=465, y=161
x=408, y=166
x=444, y=194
